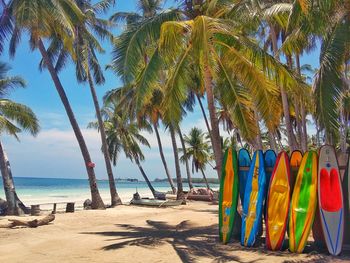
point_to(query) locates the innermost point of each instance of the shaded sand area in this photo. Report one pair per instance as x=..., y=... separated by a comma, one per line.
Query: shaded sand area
x=138, y=234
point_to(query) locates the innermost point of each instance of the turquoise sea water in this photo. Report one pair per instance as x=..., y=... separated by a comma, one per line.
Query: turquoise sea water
x=47, y=190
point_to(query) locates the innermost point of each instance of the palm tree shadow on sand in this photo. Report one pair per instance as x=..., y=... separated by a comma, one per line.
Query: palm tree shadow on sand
x=191, y=242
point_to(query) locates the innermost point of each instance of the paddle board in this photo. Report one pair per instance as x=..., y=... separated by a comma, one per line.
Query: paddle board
x=228, y=195
x=303, y=203
x=330, y=199
x=253, y=200
x=277, y=203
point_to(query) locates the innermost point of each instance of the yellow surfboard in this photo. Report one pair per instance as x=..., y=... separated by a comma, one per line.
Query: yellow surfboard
x=278, y=199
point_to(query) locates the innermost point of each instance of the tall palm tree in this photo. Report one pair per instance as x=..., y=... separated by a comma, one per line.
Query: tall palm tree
x=150, y=112
x=148, y=17
x=88, y=69
x=45, y=20
x=218, y=47
x=14, y=119
x=197, y=149
x=123, y=134
x=330, y=22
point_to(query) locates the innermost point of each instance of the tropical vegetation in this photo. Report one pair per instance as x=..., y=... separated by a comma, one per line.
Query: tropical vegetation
x=239, y=62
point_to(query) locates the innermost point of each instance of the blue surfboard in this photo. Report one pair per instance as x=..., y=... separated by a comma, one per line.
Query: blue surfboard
x=243, y=161
x=253, y=200
x=270, y=161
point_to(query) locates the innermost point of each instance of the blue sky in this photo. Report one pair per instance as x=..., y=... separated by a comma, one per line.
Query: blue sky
x=55, y=152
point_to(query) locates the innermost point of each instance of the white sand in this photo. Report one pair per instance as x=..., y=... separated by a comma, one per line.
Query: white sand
x=137, y=234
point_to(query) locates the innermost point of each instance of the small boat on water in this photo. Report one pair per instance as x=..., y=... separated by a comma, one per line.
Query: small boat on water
x=155, y=202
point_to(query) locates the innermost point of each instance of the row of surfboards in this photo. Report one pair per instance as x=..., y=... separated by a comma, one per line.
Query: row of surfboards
x=289, y=201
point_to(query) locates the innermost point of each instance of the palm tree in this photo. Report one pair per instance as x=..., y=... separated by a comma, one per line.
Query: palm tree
x=123, y=134
x=44, y=20
x=330, y=22
x=149, y=18
x=87, y=66
x=150, y=112
x=197, y=149
x=14, y=118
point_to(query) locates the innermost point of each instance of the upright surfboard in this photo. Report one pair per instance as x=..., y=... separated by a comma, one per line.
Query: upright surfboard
x=277, y=203
x=253, y=200
x=295, y=161
x=243, y=161
x=228, y=195
x=303, y=203
x=270, y=161
x=330, y=198
x=346, y=195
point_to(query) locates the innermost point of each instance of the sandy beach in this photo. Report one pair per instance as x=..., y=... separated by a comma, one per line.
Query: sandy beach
x=138, y=234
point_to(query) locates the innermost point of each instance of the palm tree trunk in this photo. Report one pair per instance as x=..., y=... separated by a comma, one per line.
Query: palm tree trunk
x=96, y=200
x=145, y=177
x=302, y=112
x=163, y=159
x=303, y=121
x=258, y=141
x=204, y=114
x=273, y=143
x=215, y=134
x=299, y=125
x=284, y=96
x=115, y=199
x=189, y=179
x=205, y=179
x=180, y=193
x=15, y=206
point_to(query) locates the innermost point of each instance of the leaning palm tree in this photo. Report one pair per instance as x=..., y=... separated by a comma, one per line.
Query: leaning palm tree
x=149, y=113
x=197, y=149
x=123, y=134
x=44, y=20
x=14, y=118
x=87, y=66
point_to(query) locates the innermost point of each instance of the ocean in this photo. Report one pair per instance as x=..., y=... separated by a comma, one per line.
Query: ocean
x=49, y=190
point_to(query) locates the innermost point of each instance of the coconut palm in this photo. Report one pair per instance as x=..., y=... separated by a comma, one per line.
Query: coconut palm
x=197, y=150
x=217, y=47
x=44, y=20
x=123, y=134
x=150, y=112
x=88, y=69
x=14, y=118
x=330, y=22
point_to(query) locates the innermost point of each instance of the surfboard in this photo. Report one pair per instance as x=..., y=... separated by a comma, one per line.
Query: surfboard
x=330, y=199
x=243, y=161
x=253, y=200
x=277, y=203
x=270, y=161
x=294, y=161
x=228, y=195
x=303, y=203
x=346, y=195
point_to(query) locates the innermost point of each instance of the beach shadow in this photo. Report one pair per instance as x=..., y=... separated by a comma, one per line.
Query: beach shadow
x=188, y=241
x=191, y=242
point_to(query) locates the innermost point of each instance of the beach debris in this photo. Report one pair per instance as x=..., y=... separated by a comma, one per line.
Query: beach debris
x=87, y=204
x=32, y=224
